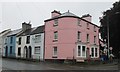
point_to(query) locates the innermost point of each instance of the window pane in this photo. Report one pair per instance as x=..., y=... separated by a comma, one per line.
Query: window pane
x=79, y=50
x=83, y=50
x=56, y=35
x=55, y=22
x=95, y=52
x=55, y=51
x=37, y=50
x=87, y=37
x=37, y=38
x=78, y=35
x=92, y=52
x=94, y=39
x=28, y=40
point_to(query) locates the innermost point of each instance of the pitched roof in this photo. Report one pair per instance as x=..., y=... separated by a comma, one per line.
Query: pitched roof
x=39, y=29
x=69, y=14
x=66, y=14
x=35, y=30
x=14, y=32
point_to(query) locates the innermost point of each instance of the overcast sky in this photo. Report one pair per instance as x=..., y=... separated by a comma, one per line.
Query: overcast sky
x=15, y=13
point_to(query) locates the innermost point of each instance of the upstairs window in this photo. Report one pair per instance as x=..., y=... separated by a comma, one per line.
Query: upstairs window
x=19, y=41
x=87, y=25
x=94, y=28
x=28, y=40
x=55, y=35
x=37, y=38
x=11, y=40
x=78, y=35
x=56, y=22
x=87, y=37
x=94, y=39
x=79, y=22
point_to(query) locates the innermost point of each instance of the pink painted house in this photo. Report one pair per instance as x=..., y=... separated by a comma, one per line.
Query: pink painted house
x=69, y=37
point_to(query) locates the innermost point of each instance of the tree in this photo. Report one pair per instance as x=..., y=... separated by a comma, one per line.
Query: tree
x=112, y=18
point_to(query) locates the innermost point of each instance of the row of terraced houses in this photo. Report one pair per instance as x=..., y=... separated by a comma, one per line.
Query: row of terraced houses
x=64, y=36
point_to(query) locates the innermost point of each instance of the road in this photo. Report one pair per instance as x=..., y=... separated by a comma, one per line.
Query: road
x=12, y=64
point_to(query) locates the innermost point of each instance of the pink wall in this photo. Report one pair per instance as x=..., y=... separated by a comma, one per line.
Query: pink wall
x=67, y=36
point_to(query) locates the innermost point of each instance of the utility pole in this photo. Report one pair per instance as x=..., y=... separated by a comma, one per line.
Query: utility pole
x=108, y=34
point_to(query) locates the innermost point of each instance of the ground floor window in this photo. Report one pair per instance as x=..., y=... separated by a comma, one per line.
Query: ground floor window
x=10, y=49
x=54, y=51
x=94, y=52
x=81, y=51
x=19, y=51
x=37, y=50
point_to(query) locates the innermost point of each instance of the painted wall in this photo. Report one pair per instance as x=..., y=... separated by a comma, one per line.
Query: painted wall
x=33, y=44
x=67, y=37
x=8, y=45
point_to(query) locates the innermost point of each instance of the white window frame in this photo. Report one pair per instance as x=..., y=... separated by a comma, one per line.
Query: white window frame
x=94, y=52
x=87, y=37
x=79, y=36
x=37, y=38
x=38, y=48
x=55, y=22
x=81, y=51
x=54, y=52
x=56, y=33
x=78, y=22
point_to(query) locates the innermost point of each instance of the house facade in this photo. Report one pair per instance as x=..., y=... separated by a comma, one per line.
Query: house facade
x=68, y=36
x=2, y=39
x=10, y=44
x=30, y=43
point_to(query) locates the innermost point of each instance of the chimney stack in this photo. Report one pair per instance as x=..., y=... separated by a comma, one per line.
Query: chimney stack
x=87, y=17
x=55, y=13
x=26, y=26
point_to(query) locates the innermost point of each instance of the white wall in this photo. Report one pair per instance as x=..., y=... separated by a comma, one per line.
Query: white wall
x=32, y=44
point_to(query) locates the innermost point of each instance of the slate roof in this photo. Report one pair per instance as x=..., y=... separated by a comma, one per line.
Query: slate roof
x=69, y=14
x=66, y=14
x=39, y=29
x=35, y=30
x=14, y=32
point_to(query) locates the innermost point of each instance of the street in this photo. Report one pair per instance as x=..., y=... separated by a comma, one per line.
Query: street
x=12, y=64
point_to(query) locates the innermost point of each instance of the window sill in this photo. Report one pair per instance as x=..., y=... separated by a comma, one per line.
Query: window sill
x=55, y=25
x=55, y=40
x=54, y=56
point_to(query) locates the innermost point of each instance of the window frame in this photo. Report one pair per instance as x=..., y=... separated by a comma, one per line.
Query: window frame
x=38, y=48
x=81, y=51
x=55, y=22
x=27, y=40
x=94, y=54
x=88, y=38
x=56, y=35
x=54, y=51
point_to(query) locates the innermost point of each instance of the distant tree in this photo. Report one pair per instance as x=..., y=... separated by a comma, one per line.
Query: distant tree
x=112, y=18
